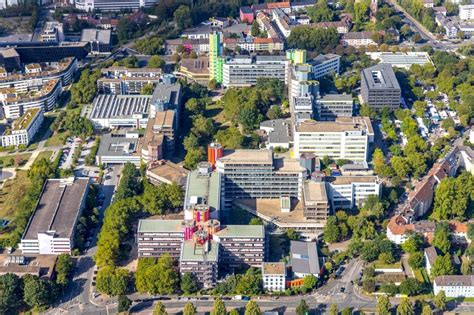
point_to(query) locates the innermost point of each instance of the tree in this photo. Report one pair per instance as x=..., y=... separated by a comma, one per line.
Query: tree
x=147, y=89
x=310, y=281
x=378, y=160
x=320, y=12
x=10, y=293
x=159, y=309
x=442, y=266
x=250, y=283
x=439, y=300
x=400, y=165
x=255, y=221
x=123, y=303
x=317, y=39
x=234, y=312
x=252, y=308
x=405, y=307
x=346, y=311
x=63, y=269
x=331, y=232
x=416, y=260
x=155, y=62
x=212, y=85
x=383, y=305
x=333, y=309
x=292, y=234
x=413, y=244
x=411, y=287
x=219, y=307
x=36, y=292
x=189, y=283
x=419, y=107
x=274, y=112
x=452, y=197
x=195, y=106
x=189, y=309
x=193, y=157
x=182, y=17
x=389, y=288
x=426, y=310
x=442, y=238
x=255, y=30
x=161, y=199
x=112, y=281
x=302, y=308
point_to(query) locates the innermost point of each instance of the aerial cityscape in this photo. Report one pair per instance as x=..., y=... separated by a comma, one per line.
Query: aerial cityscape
x=237, y=157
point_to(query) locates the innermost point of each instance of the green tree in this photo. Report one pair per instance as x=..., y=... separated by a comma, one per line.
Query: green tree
x=195, y=106
x=182, y=17
x=378, y=160
x=234, y=312
x=230, y=138
x=189, y=309
x=219, y=307
x=317, y=39
x=252, y=308
x=147, y=89
x=442, y=266
x=331, y=232
x=426, y=310
x=63, y=269
x=36, y=292
x=400, y=165
x=159, y=309
x=250, y=283
x=161, y=199
x=333, y=309
x=419, y=107
x=112, y=281
x=346, y=311
x=389, y=288
x=292, y=234
x=10, y=293
x=452, y=197
x=321, y=12
x=255, y=30
x=442, y=237
x=413, y=244
x=439, y=300
x=193, y=157
x=310, y=281
x=416, y=260
x=255, y=221
x=123, y=303
x=155, y=62
x=411, y=287
x=274, y=112
x=405, y=307
x=383, y=305
x=302, y=308
x=189, y=283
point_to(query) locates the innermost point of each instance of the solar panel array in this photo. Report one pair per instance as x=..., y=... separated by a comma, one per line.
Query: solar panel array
x=115, y=106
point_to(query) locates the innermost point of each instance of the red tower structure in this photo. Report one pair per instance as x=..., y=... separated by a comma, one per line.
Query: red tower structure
x=214, y=151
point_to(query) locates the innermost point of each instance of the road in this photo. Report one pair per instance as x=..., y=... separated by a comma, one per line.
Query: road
x=76, y=299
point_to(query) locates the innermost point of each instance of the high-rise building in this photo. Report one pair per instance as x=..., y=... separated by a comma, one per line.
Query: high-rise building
x=215, y=60
x=380, y=88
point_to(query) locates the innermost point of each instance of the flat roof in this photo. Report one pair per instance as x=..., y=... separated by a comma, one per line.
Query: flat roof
x=241, y=231
x=273, y=268
x=165, y=118
x=280, y=130
x=167, y=93
x=192, y=251
x=336, y=98
x=117, y=145
x=380, y=76
x=344, y=180
x=314, y=191
x=151, y=225
x=119, y=106
x=248, y=156
x=168, y=171
x=341, y=124
x=58, y=207
x=204, y=186
x=304, y=257
x=400, y=58
x=91, y=34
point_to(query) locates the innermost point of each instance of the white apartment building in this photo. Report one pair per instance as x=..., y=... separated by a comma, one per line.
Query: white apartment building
x=51, y=228
x=325, y=65
x=245, y=70
x=466, y=12
x=345, y=138
x=112, y=5
x=24, y=129
x=274, y=276
x=357, y=39
x=454, y=286
x=347, y=192
x=16, y=103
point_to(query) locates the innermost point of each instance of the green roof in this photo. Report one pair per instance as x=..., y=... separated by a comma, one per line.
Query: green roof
x=241, y=231
x=194, y=252
x=204, y=186
x=160, y=226
x=24, y=121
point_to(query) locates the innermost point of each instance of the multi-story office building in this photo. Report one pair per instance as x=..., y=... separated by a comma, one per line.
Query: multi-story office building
x=454, y=286
x=24, y=129
x=315, y=201
x=15, y=103
x=274, y=276
x=379, y=87
x=466, y=11
x=241, y=246
x=51, y=228
x=331, y=106
x=112, y=5
x=156, y=237
x=324, y=65
x=347, y=192
x=345, y=138
x=122, y=80
x=52, y=32
x=119, y=148
x=258, y=174
x=245, y=70
x=62, y=70
x=201, y=260
x=215, y=59
x=203, y=187
x=160, y=129
x=167, y=96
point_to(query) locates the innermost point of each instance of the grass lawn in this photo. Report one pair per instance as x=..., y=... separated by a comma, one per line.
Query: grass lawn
x=461, y=299
x=11, y=194
x=44, y=154
x=57, y=139
x=418, y=275
x=6, y=161
x=395, y=265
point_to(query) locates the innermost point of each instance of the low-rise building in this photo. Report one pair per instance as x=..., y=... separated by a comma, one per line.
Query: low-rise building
x=52, y=225
x=304, y=259
x=331, y=106
x=245, y=70
x=274, y=276
x=466, y=12
x=454, y=286
x=52, y=32
x=24, y=129
x=347, y=192
x=430, y=258
x=119, y=148
x=358, y=39
x=345, y=138
x=278, y=133
x=122, y=80
x=100, y=41
x=403, y=60
x=195, y=69
x=342, y=27
x=241, y=246
x=166, y=172
x=157, y=237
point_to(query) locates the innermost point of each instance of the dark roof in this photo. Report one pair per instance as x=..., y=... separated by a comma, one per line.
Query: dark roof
x=246, y=10
x=431, y=254
x=380, y=76
x=304, y=257
x=455, y=281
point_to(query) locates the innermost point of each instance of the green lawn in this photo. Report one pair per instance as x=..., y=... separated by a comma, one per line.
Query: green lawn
x=9, y=160
x=57, y=139
x=44, y=154
x=12, y=192
x=379, y=265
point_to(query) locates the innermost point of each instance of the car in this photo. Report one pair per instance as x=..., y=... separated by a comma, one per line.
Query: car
x=342, y=289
